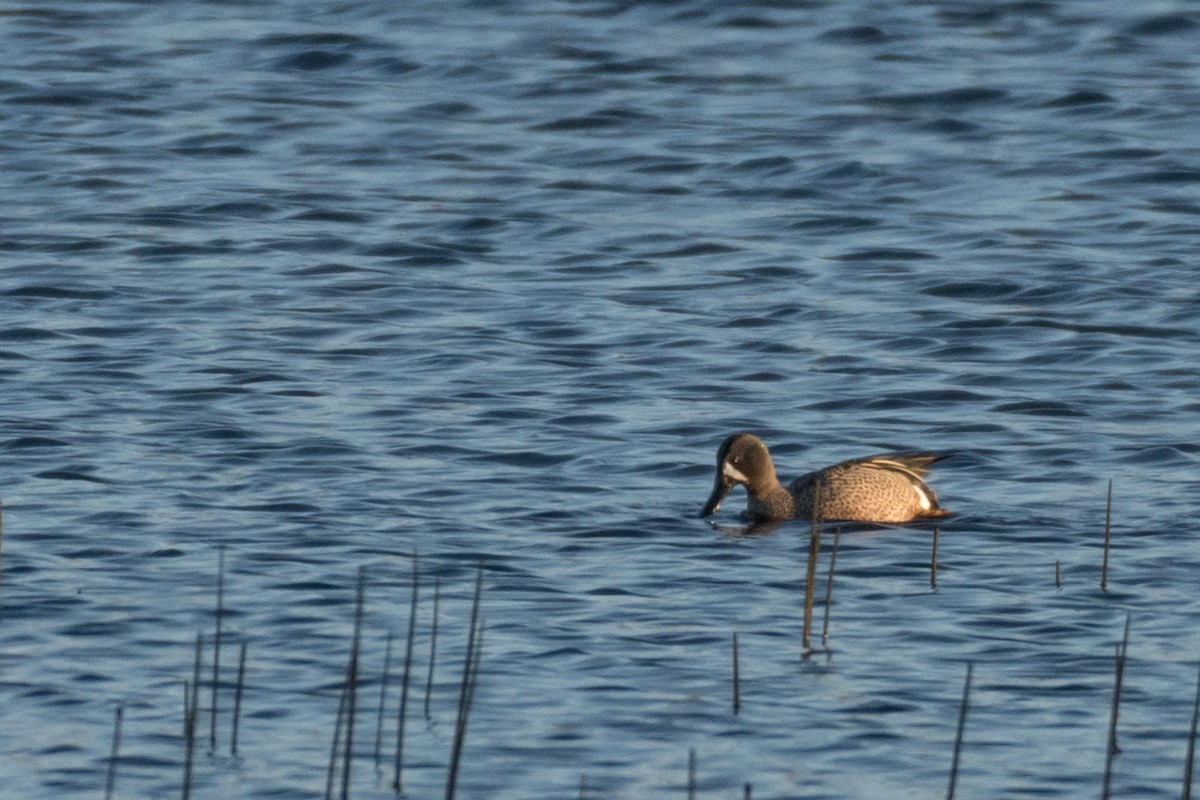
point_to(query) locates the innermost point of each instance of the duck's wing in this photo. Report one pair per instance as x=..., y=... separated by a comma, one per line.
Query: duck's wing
x=914, y=465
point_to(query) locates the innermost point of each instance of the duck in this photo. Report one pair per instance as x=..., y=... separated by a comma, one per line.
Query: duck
x=885, y=488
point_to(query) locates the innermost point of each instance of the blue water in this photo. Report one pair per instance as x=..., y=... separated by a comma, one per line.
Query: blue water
x=327, y=284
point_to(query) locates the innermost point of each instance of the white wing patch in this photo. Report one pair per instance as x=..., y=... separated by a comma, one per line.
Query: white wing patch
x=923, y=497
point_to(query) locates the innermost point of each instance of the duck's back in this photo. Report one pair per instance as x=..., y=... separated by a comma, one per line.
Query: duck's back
x=882, y=488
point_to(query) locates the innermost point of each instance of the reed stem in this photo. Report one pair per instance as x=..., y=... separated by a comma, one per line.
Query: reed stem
x=111, y=779
x=1107, y=538
x=958, y=736
x=191, y=707
x=837, y=538
x=197, y=663
x=352, y=680
x=933, y=560
x=343, y=728
x=384, y=680
x=190, y=700
x=737, y=690
x=1187, y=768
x=466, y=687
x=216, y=666
x=691, y=776
x=398, y=780
x=433, y=631
x=1113, y=749
x=237, y=699
x=810, y=581
x=336, y=746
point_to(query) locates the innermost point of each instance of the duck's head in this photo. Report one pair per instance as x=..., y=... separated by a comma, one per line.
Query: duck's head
x=742, y=460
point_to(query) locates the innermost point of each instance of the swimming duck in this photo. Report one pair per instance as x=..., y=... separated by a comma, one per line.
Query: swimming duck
x=882, y=488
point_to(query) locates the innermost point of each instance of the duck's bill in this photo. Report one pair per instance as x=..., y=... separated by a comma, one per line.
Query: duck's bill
x=720, y=488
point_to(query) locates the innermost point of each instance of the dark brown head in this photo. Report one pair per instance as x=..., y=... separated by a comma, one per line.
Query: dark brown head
x=742, y=460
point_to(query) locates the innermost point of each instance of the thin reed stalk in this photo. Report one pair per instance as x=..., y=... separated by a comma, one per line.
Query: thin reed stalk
x=110, y=779
x=1113, y=749
x=336, y=747
x=477, y=654
x=197, y=663
x=466, y=687
x=933, y=560
x=189, y=736
x=1057, y=574
x=384, y=680
x=398, y=780
x=433, y=631
x=216, y=665
x=343, y=729
x=810, y=581
x=237, y=699
x=691, y=778
x=958, y=736
x=352, y=680
x=1191, y=752
x=737, y=688
x=1107, y=538
x=746, y=790
x=191, y=707
x=837, y=539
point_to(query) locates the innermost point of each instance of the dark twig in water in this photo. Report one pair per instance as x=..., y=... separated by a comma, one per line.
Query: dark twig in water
x=467, y=687
x=1058, y=574
x=189, y=736
x=111, y=779
x=197, y=663
x=237, y=699
x=1107, y=538
x=1113, y=749
x=958, y=736
x=933, y=560
x=216, y=666
x=343, y=728
x=837, y=538
x=384, y=680
x=746, y=789
x=336, y=746
x=191, y=705
x=352, y=680
x=437, y=594
x=1187, y=768
x=477, y=654
x=398, y=781
x=814, y=552
x=737, y=689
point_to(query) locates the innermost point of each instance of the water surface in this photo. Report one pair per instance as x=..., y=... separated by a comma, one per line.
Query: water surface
x=330, y=285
